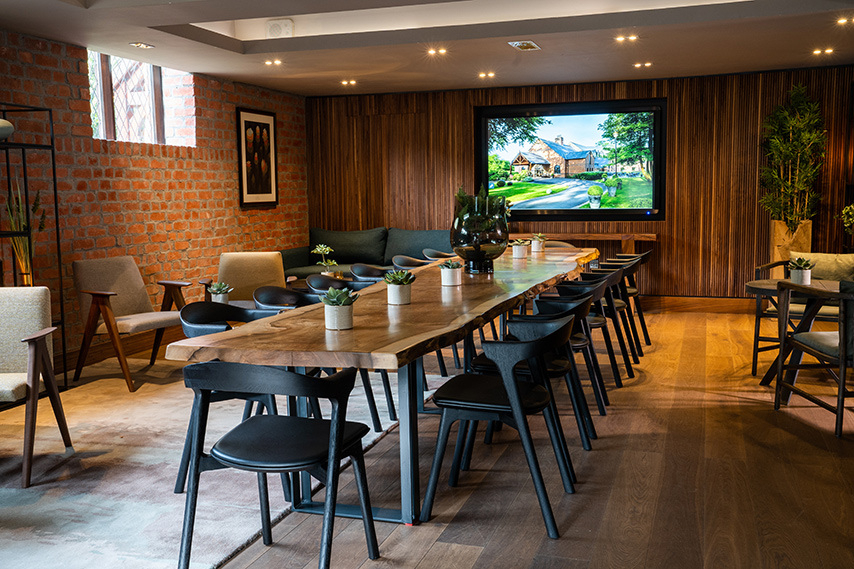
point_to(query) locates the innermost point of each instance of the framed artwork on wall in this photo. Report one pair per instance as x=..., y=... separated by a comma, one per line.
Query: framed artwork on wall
x=256, y=139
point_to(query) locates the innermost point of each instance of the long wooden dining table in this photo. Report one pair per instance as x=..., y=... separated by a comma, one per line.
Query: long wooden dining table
x=391, y=337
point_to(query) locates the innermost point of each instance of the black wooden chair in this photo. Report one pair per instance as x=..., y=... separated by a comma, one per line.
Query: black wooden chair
x=278, y=443
x=509, y=400
x=621, y=301
x=633, y=290
x=595, y=318
x=280, y=298
x=612, y=278
x=436, y=255
x=319, y=284
x=200, y=319
x=363, y=272
x=834, y=350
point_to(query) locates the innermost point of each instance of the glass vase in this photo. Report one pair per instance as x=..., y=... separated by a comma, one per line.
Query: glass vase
x=479, y=233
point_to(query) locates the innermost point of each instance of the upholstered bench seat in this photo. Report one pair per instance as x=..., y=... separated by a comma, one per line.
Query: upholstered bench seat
x=13, y=386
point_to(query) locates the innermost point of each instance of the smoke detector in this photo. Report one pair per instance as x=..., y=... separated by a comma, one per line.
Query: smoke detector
x=524, y=45
x=280, y=28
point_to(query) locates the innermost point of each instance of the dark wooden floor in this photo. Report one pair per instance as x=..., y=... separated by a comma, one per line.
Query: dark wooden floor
x=693, y=468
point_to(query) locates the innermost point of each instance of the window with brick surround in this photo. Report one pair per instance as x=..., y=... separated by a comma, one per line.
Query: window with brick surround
x=139, y=102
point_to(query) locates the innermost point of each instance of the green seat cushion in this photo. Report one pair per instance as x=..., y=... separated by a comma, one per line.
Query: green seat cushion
x=364, y=246
x=829, y=266
x=824, y=342
x=412, y=242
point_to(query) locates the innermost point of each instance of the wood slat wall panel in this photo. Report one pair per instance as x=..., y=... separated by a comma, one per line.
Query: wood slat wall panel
x=397, y=159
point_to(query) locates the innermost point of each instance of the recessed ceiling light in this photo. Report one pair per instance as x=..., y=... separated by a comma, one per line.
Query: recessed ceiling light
x=816, y=52
x=490, y=74
x=431, y=51
x=620, y=38
x=442, y=51
x=268, y=62
x=647, y=64
x=632, y=38
x=352, y=82
x=638, y=65
x=828, y=50
x=277, y=62
x=524, y=45
x=142, y=45
x=842, y=21
x=485, y=74
x=344, y=82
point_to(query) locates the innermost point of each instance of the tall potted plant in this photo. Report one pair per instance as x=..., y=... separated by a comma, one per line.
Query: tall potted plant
x=19, y=220
x=793, y=141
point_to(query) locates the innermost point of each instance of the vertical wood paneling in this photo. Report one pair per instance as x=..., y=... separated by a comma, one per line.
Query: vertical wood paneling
x=396, y=160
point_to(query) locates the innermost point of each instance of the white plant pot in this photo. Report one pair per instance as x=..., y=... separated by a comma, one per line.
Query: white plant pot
x=223, y=298
x=595, y=201
x=399, y=294
x=451, y=277
x=338, y=317
x=6, y=129
x=801, y=277
x=537, y=246
x=520, y=251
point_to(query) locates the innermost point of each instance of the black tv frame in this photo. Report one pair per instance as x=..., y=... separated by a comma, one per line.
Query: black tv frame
x=657, y=106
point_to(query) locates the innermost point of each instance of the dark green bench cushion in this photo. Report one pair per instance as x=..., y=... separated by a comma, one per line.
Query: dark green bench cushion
x=365, y=246
x=412, y=241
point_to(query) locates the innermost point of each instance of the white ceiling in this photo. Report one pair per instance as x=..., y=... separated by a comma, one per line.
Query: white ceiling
x=382, y=44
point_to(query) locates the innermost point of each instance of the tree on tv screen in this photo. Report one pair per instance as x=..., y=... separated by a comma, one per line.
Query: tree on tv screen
x=521, y=130
x=630, y=138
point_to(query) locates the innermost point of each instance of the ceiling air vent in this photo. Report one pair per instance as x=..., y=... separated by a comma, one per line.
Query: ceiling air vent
x=280, y=28
x=525, y=45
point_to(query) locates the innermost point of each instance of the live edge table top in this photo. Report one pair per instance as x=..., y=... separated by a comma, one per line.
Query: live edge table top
x=387, y=336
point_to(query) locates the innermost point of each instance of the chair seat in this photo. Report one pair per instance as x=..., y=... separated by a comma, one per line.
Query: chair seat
x=596, y=320
x=13, y=386
x=618, y=304
x=578, y=341
x=275, y=443
x=823, y=342
x=143, y=321
x=486, y=393
x=632, y=290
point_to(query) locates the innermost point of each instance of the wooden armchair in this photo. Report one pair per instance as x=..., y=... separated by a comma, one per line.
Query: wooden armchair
x=26, y=312
x=113, y=296
x=246, y=271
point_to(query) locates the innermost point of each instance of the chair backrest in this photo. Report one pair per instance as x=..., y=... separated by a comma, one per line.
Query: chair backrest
x=595, y=288
x=435, y=254
x=629, y=266
x=322, y=283
x=507, y=354
x=202, y=318
x=248, y=270
x=252, y=378
x=527, y=328
x=114, y=274
x=405, y=262
x=363, y=272
x=25, y=310
x=578, y=306
x=280, y=298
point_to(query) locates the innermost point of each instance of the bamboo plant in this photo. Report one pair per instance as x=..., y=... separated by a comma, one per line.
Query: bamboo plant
x=794, y=140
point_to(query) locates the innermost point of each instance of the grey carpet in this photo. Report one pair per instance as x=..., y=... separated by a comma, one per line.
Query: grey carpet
x=110, y=503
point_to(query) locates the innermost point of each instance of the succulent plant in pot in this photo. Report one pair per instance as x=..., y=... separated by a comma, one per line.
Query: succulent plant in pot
x=800, y=271
x=520, y=248
x=538, y=242
x=338, y=308
x=451, y=273
x=399, y=286
x=219, y=292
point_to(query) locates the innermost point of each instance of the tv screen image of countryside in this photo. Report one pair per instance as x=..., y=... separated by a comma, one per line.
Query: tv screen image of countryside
x=564, y=162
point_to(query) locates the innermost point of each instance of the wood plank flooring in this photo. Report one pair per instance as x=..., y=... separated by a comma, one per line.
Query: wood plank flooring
x=693, y=468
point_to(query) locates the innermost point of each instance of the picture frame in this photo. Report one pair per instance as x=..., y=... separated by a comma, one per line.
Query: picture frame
x=256, y=157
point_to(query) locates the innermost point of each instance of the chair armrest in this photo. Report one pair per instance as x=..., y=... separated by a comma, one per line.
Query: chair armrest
x=99, y=293
x=809, y=291
x=173, y=294
x=769, y=266
x=40, y=334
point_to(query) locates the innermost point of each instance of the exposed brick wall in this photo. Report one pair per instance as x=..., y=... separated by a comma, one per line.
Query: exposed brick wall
x=174, y=208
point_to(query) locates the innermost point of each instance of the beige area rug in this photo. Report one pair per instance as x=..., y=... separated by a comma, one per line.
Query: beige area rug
x=110, y=503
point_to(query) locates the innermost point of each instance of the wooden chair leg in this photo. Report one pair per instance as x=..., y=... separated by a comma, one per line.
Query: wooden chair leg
x=158, y=338
x=53, y=394
x=30, y=415
x=88, y=334
x=115, y=338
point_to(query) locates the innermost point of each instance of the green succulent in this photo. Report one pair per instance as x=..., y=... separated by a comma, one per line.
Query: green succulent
x=451, y=265
x=220, y=288
x=801, y=264
x=399, y=278
x=523, y=242
x=338, y=297
x=539, y=237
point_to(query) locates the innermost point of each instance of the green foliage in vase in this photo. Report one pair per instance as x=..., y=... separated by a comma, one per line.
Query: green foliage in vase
x=794, y=141
x=399, y=278
x=16, y=208
x=323, y=251
x=847, y=217
x=338, y=297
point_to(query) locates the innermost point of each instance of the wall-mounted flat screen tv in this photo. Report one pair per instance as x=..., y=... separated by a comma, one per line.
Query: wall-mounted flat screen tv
x=587, y=161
